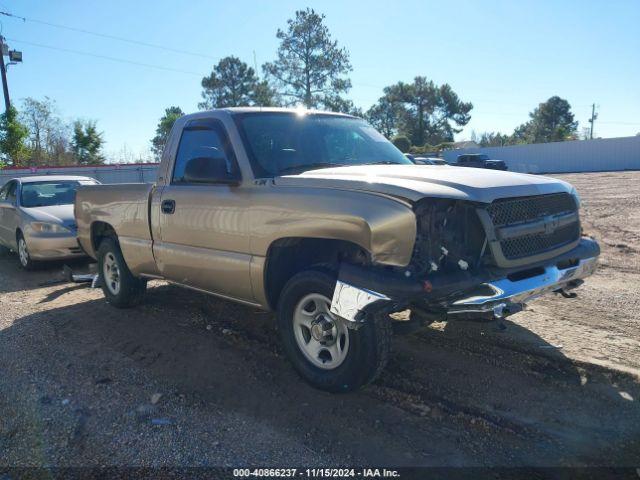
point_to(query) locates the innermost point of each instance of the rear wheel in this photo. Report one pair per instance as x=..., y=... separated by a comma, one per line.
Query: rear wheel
x=23, y=253
x=121, y=288
x=321, y=348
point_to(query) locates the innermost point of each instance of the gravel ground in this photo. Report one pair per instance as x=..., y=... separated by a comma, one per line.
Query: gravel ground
x=189, y=380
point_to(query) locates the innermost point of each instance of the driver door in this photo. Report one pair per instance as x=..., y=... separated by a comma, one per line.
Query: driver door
x=204, y=232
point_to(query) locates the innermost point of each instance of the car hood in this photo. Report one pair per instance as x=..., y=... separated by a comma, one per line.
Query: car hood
x=61, y=214
x=413, y=182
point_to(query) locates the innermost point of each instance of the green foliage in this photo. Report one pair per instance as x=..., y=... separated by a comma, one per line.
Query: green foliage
x=402, y=142
x=494, y=139
x=427, y=148
x=386, y=116
x=232, y=83
x=48, y=133
x=13, y=136
x=551, y=121
x=310, y=68
x=430, y=113
x=165, y=124
x=87, y=143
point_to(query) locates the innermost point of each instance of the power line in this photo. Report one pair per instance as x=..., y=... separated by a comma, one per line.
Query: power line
x=105, y=57
x=621, y=123
x=186, y=52
x=112, y=37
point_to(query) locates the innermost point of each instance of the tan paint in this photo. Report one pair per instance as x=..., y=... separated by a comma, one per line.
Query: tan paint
x=125, y=208
x=219, y=236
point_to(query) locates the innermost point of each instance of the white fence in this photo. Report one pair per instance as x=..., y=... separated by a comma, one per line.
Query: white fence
x=606, y=154
x=135, y=173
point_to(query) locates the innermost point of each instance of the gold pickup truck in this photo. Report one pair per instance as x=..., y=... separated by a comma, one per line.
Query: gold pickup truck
x=317, y=216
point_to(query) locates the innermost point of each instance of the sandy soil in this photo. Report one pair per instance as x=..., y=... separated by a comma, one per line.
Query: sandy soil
x=559, y=386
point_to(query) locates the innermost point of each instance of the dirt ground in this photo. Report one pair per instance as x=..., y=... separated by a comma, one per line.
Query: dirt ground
x=560, y=386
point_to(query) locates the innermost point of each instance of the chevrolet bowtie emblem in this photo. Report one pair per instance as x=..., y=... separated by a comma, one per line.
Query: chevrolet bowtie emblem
x=550, y=224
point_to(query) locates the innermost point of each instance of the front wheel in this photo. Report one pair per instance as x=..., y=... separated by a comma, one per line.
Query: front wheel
x=120, y=287
x=23, y=253
x=323, y=350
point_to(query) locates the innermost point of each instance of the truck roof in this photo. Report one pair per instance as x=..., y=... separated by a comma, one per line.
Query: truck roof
x=238, y=110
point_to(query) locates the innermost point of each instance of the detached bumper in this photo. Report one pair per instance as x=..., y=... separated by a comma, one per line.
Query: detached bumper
x=502, y=296
x=53, y=247
x=497, y=293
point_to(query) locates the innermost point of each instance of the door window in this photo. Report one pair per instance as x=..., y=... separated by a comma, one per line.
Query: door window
x=3, y=192
x=202, y=140
x=8, y=193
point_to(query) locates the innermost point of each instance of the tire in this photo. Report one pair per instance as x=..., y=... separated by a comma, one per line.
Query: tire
x=23, y=253
x=360, y=355
x=4, y=251
x=120, y=287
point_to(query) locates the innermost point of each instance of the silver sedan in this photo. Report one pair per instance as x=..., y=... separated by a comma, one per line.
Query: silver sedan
x=36, y=217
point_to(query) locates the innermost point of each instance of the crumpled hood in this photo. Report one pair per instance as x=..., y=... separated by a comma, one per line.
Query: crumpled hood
x=413, y=182
x=61, y=214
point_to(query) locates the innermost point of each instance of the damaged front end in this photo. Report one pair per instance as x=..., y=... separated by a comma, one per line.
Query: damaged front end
x=459, y=268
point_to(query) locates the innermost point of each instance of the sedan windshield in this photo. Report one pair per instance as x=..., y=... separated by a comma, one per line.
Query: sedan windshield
x=288, y=143
x=46, y=194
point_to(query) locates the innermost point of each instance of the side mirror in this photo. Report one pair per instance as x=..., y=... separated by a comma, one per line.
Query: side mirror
x=209, y=170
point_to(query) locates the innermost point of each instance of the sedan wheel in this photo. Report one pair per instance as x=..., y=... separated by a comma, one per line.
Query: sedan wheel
x=23, y=254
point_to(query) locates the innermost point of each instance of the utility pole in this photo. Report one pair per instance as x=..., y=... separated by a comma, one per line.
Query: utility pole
x=5, y=86
x=594, y=115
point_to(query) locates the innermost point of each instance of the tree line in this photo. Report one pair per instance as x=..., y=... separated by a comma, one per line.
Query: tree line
x=37, y=135
x=310, y=69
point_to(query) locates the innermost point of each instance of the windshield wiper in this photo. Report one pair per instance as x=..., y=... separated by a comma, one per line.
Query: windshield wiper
x=310, y=166
x=384, y=162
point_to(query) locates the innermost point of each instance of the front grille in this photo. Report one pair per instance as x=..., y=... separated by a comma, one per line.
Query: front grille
x=528, y=245
x=527, y=209
x=532, y=210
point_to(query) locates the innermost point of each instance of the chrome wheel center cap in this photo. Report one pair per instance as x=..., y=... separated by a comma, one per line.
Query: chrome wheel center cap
x=322, y=330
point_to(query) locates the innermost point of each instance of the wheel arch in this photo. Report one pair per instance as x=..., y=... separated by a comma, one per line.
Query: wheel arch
x=99, y=231
x=290, y=255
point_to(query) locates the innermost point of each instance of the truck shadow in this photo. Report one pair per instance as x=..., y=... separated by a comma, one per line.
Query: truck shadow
x=447, y=398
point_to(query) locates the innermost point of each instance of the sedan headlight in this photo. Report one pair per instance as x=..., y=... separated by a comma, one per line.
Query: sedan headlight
x=47, y=227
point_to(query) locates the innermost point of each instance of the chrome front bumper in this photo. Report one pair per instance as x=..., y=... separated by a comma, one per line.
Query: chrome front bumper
x=496, y=298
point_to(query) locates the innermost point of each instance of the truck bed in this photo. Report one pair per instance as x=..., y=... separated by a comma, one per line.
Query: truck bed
x=123, y=208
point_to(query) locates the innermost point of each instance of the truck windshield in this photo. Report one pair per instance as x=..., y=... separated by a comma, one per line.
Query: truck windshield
x=287, y=143
x=47, y=194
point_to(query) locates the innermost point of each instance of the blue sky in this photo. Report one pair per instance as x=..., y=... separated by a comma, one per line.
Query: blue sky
x=504, y=56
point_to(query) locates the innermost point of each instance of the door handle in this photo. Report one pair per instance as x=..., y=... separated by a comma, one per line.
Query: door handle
x=168, y=206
